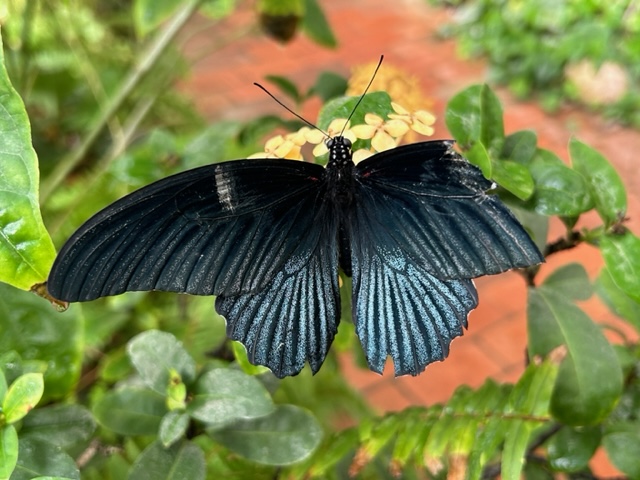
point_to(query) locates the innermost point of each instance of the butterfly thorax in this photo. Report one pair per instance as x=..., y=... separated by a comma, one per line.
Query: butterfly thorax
x=340, y=171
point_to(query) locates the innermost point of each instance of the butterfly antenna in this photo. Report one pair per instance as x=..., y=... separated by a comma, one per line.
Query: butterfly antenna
x=289, y=110
x=363, y=94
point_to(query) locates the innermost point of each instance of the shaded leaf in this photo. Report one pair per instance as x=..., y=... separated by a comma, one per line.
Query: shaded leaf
x=8, y=450
x=37, y=458
x=571, y=448
x=61, y=425
x=181, y=461
x=288, y=435
x=316, y=26
x=617, y=300
x=478, y=155
x=329, y=85
x=173, y=427
x=131, y=411
x=155, y=355
x=621, y=255
x=287, y=87
x=605, y=184
x=570, y=280
x=26, y=250
x=520, y=147
x=23, y=395
x=622, y=444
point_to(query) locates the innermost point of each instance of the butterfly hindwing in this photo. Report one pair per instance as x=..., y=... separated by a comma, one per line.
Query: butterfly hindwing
x=434, y=205
x=220, y=229
x=400, y=309
x=294, y=318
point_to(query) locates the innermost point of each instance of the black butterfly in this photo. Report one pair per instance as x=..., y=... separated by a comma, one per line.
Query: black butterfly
x=412, y=225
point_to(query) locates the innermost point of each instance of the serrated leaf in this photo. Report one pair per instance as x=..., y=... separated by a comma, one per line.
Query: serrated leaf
x=475, y=116
x=570, y=449
x=222, y=396
x=155, y=355
x=316, y=26
x=605, y=184
x=61, y=425
x=570, y=280
x=286, y=436
x=513, y=177
x=131, y=411
x=173, y=427
x=617, y=300
x=8, y=450
x=181, y=461
x=621, y=255
x=520, y=147
x=38, y=333
x=26, y=250
x=590, y=379
x=558, y=189
x=23, y=395
x=37, y=458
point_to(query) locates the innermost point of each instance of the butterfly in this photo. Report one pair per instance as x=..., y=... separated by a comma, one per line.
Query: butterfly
x=412, y=226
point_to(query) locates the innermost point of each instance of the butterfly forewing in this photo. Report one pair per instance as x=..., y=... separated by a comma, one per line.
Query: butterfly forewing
x=221, y=229
x=435, y=207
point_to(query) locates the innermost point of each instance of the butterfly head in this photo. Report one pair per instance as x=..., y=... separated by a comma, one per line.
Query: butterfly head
x=339, y=151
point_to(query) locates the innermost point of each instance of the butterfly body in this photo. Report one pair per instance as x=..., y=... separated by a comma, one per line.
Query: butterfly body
x=412, y=226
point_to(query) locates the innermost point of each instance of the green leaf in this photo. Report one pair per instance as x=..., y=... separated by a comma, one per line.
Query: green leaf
x=37, y=458
x=621, y=255
x=475, y=116
x=479, y=156
x=558, y=189
x=37, y=332
x=23, y=395
x=329, y=85
x=181, y=461
x=590, y=380
x=61, y=425
x=131, y=411
x=173, y=427
x=221, y=396
x=571, y=448
x=617, y=300
x=571, y=281
x=605, y=184
x=3, y=383
x=341, y=107
x=240, y=354
x=316, y=26
x=155, y=355
x=513, y=177
x=622, y=444
x=26, y=250
x=149, y=14
x=217, y=9
x=520, y=147
x=288, y=435
x=8, y=450
x=286, y=86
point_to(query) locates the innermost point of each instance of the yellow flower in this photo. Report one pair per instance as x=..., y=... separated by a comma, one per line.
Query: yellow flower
x=336, y=127
x=361, y=154
x=383, y=134
x=420, y=121
x=279, y=147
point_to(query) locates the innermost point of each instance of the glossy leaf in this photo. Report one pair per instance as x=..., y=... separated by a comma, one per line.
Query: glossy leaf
x=288, y=435
x=181, y=461
x=61, y=425
x=316, y=26
x=479, y=156
x=173, y=427
x=131, y=411
x=520, y=147
x=558, y=189
x=618, y=300
x=590, y=380
x=475, y=116
x=570, y=280
x=37, y=458
x=221, y=396
x=341, y=107
x=26, y=250
x=622, y=257
x=605, y=184
x=513, y=177
x=23, y=395
x=622, y=444
x=37, y=332
x=571, y=448
x=8, y=450
x=155, y=355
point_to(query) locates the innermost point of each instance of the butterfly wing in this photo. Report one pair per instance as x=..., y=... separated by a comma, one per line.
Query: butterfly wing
x=295, y=318
x=434, y=206
x=226, y=228
x=400, y=309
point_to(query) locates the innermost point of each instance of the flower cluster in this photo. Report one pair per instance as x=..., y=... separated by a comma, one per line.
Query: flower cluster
x=383, y=134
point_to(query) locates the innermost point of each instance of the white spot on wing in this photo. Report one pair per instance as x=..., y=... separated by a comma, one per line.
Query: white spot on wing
x=224, y=189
